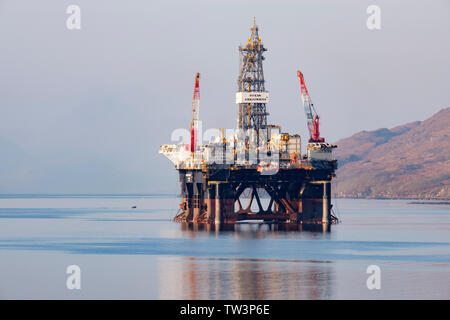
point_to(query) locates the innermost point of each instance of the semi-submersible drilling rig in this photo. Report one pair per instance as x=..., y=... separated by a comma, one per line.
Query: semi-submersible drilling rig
x=257, y=172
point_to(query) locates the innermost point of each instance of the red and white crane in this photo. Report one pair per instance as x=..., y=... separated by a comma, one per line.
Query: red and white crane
x=312, y=117
x=195, y=112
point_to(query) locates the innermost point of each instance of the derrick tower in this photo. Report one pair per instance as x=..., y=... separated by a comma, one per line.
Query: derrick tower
x=251, y=95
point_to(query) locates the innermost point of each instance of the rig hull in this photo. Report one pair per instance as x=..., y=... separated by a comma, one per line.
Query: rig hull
x=229, y=195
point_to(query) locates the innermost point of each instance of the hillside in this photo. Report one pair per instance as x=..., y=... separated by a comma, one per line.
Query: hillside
x=410, y=161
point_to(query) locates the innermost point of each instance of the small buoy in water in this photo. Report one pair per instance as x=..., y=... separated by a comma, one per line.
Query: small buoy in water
x=133, y=207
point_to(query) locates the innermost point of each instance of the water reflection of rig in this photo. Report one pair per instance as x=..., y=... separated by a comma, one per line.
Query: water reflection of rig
x=257, y=172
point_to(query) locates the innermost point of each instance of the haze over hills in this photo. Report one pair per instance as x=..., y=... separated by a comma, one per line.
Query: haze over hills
x=411, y=161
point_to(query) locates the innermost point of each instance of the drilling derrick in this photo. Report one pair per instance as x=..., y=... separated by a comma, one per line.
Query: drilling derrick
x=259, y=172
x=252, y=114
x=251, y=98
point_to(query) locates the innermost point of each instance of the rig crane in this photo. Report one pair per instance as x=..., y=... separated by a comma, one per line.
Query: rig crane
x=194, y=117
x=311, y=115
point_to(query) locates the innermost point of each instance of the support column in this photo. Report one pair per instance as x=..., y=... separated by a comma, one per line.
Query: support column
x=219, y=212
x=326, y=202
x=188, y=196
x=196, y=201
x=210, y=202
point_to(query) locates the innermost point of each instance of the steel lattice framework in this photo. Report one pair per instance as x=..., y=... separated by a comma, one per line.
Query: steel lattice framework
x=251, y=79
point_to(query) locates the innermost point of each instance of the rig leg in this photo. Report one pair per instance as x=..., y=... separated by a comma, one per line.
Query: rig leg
x=210, y=203
x=189, y=201
x=326, y=218
x=218, y=218
x=196, y=201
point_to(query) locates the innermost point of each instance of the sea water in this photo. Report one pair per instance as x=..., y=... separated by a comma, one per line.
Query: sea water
x=140, y=253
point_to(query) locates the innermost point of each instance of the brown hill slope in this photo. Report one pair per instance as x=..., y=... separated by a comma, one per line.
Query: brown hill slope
x=410, y=161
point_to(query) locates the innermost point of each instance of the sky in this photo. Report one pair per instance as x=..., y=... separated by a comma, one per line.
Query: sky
x=84, y=111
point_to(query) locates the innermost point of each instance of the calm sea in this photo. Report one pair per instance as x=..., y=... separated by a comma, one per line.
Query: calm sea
x=139, y=253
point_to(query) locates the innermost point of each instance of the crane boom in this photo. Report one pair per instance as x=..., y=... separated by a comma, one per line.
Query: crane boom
x=195, y=113
x=312, y=117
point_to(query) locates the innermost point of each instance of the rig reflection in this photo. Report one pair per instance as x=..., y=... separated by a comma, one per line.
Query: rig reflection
x=251, y=227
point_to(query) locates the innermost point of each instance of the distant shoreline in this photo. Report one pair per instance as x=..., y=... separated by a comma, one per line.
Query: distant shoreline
x=413, y=200
x=86, y=195
x=176, y=195
x=425, y=202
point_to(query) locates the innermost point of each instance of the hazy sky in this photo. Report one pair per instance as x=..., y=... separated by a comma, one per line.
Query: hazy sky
x=84, y=111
